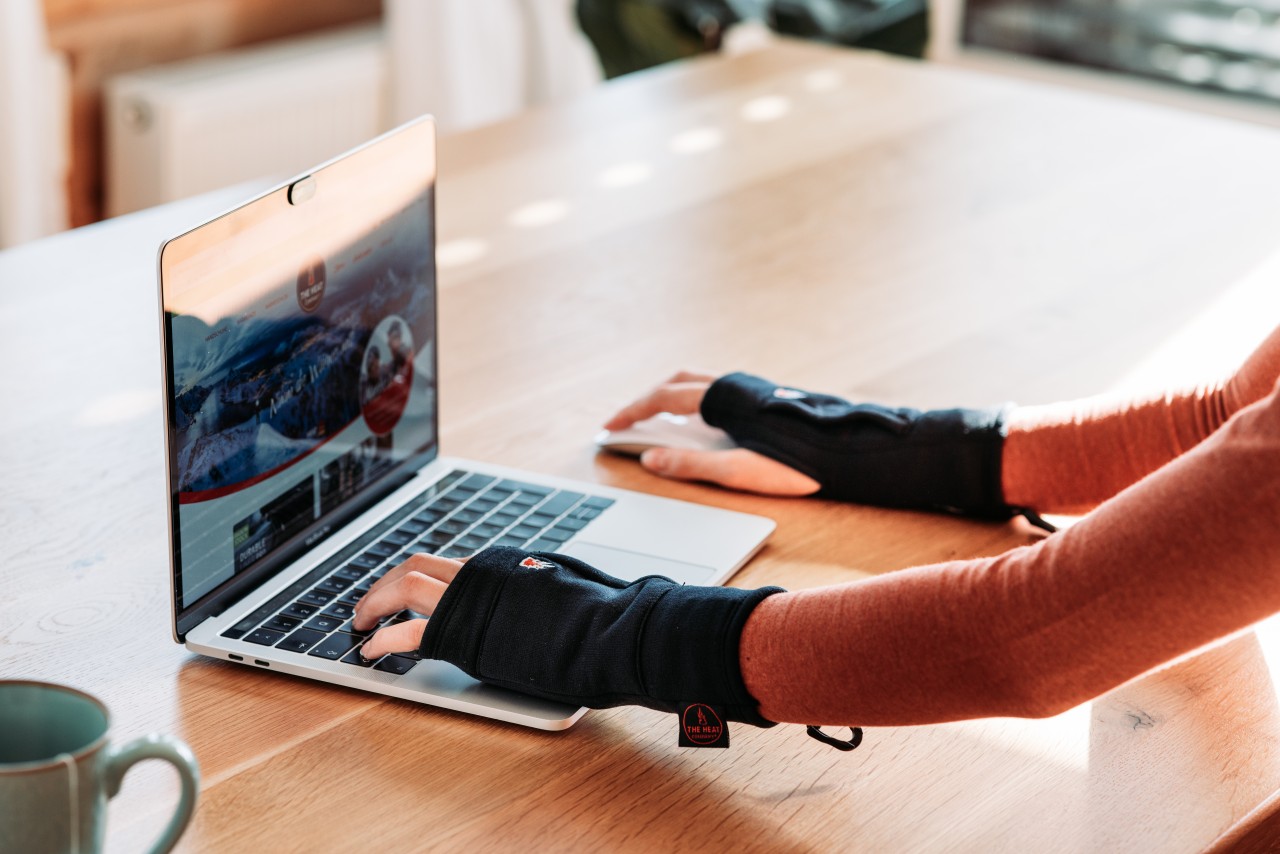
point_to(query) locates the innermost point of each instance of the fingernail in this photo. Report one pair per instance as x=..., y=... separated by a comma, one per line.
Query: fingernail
x=654, y=459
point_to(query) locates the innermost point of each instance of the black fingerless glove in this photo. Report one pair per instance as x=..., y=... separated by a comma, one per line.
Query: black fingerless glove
x=554, y=627
x=947, y=459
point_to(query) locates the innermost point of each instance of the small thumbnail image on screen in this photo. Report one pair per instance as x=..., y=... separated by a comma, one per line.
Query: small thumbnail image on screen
x=344, y=477
x=255, y=536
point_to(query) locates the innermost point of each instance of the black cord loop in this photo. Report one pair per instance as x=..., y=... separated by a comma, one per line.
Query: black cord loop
x=855, y=737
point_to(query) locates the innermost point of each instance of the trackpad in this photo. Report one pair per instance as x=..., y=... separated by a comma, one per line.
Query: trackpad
x=630, y=565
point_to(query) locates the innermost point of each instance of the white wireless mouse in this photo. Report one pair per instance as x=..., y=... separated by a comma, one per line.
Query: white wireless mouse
x=664, y=430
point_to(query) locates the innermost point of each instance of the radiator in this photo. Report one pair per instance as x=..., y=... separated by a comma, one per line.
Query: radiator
x=177, y=130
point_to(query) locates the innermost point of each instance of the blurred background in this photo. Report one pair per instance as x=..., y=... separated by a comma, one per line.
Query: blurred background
x=109, y=106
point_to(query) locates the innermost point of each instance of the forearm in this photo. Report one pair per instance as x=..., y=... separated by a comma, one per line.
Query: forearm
x=1069, y=457
x=1184, y=557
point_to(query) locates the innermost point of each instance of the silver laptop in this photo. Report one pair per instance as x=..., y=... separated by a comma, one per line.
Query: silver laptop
x=300, y=368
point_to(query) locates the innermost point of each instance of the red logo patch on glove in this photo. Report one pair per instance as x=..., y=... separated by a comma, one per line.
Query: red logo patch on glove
x=534, y=563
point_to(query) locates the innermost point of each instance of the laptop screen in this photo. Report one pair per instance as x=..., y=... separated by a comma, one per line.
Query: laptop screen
x=301, y=359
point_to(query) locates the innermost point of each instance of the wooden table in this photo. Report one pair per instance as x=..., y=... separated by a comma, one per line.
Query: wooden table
x=848, y=222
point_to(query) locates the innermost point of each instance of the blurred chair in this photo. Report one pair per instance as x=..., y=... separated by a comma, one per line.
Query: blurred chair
x=630, y=35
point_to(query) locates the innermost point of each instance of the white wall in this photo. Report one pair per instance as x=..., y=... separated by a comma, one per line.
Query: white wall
x=471, y=62
x=34, y=110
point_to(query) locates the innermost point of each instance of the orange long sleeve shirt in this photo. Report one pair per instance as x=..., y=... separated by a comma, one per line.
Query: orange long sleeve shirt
x=1180, y=547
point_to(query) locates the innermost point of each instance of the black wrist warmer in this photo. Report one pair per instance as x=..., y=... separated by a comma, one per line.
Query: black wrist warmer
x=946, y=459
x=552, y=626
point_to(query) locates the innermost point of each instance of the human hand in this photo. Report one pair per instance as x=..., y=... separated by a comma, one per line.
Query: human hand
x=555, y=627
x=416, y=584
x=737, y=468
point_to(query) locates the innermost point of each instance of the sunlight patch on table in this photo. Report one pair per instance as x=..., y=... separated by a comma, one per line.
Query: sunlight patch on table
x=696, y=140
x=459, y=253
x=766, y=108
x=538, y=214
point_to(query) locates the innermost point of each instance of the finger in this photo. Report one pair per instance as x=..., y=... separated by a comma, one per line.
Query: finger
x=414, y=590
x=398, y=637
x=738, y=468
x=680, y=398
x=427, y=564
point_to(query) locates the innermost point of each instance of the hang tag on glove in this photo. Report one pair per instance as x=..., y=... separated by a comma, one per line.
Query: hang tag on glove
x=702, y=726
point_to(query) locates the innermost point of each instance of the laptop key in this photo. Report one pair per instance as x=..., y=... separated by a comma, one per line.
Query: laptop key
x=472, y=542
x=301, y=640
x=560, y=502
x=456, y=552
x=265, y=637
x=350, y=629
x=395, y=664
x=521, y=486
x=323, y=623
x=477, y=481
x=396, y=538
x=299, y=610
x=317, y=597
x=543, y=545
x=571, y=524
x=380, y=550
x=524, y=532
x=366, y=561
x=354, y=657
x=468, y=516
x=598, y=502
x=281, y=623
x=557, y=535
x=336, y=646
x=352, y=573
x=510, y=541
x=339, y=610
x=238, y=630
x=334, y=585
x=488, y=530
x=449, y=480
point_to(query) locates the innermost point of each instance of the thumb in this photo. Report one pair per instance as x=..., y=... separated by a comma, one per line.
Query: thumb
x=683, y=464
x=737, y=468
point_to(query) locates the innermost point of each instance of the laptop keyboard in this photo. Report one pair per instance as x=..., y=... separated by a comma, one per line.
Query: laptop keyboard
x=455, y=517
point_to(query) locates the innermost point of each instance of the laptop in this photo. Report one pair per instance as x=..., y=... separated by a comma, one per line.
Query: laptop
x=301, y=382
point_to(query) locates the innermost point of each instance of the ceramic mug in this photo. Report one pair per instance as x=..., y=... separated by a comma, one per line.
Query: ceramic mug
x=57, y=770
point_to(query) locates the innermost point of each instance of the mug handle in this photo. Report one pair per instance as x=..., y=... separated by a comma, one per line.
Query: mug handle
x=177, y=754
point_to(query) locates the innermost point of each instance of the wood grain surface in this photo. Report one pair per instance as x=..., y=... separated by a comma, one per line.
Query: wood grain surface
x=845, y=222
